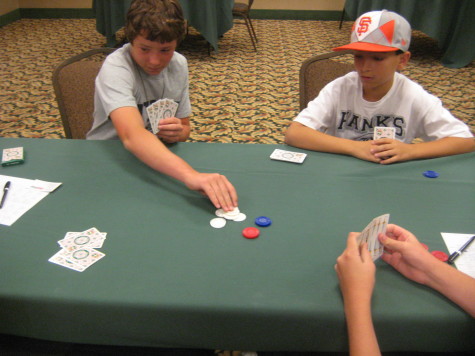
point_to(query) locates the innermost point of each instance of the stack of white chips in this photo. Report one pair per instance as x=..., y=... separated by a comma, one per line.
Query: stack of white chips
x=222, y=216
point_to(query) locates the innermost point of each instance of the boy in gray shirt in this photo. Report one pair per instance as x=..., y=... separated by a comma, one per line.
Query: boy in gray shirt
x=140, y=73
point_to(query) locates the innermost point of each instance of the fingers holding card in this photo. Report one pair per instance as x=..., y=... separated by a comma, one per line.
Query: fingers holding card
x=161, y=109
x=370, y=235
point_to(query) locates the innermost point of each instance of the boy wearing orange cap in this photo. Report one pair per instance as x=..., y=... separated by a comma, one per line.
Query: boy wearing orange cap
x=343, y=117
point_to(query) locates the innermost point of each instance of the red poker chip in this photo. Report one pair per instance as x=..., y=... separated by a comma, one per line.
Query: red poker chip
x=440, y=255
x=250, y=232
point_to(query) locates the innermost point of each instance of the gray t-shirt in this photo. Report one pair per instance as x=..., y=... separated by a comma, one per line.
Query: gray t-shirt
x=121, y=82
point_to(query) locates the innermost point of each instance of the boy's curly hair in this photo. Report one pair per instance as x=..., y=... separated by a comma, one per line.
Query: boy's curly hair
x=156, y=20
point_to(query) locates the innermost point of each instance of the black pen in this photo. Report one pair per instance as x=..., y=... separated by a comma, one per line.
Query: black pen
x=6, y=188
x=456, y=254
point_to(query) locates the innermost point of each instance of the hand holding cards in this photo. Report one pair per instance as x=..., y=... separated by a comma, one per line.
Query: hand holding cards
x=370, y=235
x=161, y=109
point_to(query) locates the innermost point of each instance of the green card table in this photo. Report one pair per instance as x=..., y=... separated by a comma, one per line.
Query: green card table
x=169, y=279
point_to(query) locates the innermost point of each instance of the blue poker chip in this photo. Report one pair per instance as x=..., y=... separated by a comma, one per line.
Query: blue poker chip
x=263, y=221
x=430, y=174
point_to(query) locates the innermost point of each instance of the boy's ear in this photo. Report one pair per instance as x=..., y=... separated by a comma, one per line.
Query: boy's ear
x=403, y=60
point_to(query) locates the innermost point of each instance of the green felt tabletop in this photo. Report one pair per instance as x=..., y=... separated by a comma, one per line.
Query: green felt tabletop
x=170, y=279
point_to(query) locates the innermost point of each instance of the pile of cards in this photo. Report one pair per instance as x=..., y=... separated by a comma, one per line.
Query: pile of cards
x=78, y=249
x=384, y=132
x=288, y=156
x=11, y=156
x=161, y=109
x=222, y=216
x=370, y=235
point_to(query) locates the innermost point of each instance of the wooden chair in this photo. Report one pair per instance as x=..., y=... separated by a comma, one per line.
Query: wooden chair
x=73, y=83
x=318, y=71
x=243, y=10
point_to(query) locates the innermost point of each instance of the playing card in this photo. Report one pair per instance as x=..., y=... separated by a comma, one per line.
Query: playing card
x=11, y=156
x=77, y=249
x=161, y=109
x=370, y=235
x=288, y=156
x=91, y=238
x=59, y=259
x=84, y=257
x=384, y=132
x=152, y=117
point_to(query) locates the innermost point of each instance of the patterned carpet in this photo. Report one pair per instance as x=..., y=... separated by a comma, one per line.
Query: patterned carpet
x=238, y=95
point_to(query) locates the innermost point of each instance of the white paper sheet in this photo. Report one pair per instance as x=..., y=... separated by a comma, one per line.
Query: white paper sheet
x=21, y=198
x=466, y=261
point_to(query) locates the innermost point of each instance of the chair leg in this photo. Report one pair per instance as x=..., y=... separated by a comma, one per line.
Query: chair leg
x=342, y=17
x=250, y=30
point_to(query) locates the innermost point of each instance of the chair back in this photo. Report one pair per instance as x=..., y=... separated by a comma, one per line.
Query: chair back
x=318, y=71
x=73, y=83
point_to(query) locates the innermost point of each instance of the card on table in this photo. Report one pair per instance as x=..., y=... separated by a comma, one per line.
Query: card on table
x=11, y=156
x=84, y=257
x=59, y=259
x=384, y=132
x=78, y=249
x=370, y=235
x=288, y=156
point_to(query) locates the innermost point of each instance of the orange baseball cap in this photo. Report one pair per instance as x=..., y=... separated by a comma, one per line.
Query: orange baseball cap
x=379, y=31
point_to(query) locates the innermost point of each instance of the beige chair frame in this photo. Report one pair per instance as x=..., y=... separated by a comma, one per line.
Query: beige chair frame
x=318, y=71
x=243, y=11
x=74, y=85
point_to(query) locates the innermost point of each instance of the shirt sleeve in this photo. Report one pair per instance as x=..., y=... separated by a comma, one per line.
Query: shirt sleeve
x=115, y=87
x=437, y=121
x=320, y=112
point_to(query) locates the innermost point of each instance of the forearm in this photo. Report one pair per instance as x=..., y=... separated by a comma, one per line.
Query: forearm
x=362, y=337
x=299, y=135
x=151, y=151
x=455, y=285
x=443, y=147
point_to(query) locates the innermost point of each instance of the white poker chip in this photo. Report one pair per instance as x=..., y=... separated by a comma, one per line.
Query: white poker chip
x=230, y=215
x=240, y=217
x=220, y=212
x=218, y=223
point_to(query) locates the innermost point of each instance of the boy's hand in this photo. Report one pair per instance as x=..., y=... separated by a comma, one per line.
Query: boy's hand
x=172, y=130
x=216, y=187
x=362, y=150
x=406, y=254
x=388, y=150
x=356, y=270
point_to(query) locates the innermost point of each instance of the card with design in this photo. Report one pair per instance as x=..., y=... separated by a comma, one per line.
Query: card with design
x=159, y=110
x=370, y=235
x=78, y=249
x=384, y=132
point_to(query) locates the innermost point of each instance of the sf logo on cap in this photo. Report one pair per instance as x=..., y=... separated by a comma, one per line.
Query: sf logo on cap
x=363, y=25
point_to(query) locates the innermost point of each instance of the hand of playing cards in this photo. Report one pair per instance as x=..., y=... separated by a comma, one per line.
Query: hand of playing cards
x=370, y=235
x=161, y=109
x=78, y=249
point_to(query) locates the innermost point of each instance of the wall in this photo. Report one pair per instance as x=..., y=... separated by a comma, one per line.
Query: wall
x=7, y=6
x=298, y=4
x=56, y=4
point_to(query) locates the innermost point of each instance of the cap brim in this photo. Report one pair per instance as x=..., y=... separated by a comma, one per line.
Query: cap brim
x=367, y=47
